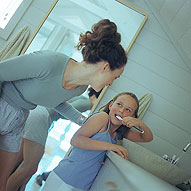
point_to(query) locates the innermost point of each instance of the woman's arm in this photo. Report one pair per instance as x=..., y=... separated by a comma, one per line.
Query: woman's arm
x=135, y=136
x=68, y=111
x=33, y=65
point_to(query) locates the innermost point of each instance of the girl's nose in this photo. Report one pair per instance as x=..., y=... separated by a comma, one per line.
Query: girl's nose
x=121, y=110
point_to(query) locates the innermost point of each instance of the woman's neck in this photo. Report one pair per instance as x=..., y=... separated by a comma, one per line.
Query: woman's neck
x=75, y=74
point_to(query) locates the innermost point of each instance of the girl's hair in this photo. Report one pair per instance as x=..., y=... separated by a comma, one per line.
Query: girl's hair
x=122, y=130
x=103, y=44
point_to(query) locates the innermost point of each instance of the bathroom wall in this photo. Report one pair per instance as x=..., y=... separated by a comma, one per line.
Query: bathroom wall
x=176, y=14
x=156, y=66
x=32, y=18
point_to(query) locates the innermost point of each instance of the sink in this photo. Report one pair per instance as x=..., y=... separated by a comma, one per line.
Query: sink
x=155, y=164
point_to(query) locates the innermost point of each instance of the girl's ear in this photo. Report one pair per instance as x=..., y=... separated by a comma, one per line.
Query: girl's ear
x=110, y=104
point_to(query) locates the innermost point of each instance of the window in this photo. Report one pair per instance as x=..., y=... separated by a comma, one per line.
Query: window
x=7, y=10
x=11, y=12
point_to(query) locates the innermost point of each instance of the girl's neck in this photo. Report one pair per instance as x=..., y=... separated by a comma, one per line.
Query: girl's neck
x=113, y=129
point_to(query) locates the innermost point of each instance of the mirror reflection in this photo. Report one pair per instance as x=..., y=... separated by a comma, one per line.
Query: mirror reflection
x=60, y=32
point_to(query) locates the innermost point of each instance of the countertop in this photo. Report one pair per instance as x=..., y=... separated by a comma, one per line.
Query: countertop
x=118, y=174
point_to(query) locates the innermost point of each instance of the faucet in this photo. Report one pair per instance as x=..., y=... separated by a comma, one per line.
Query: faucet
x=186, y=147
x=184, y=150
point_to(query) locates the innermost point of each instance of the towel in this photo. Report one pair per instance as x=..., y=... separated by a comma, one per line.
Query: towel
x=15, y=44
x=144, y=103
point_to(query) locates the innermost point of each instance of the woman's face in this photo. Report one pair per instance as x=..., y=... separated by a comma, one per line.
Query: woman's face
x=106, y=77
x=123, y=106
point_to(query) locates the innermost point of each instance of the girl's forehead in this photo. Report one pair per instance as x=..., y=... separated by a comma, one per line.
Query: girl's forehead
x=127, y=100
x=125, y=97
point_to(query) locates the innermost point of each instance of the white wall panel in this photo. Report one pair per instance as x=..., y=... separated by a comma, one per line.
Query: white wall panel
x=157, y=64
x=185, y=42
x=181, y=21
x=170, y=9
x=160, y=46
x=158, y=85
x=166, y=130
x=152, y=25
x=159, y=4
x=175, y=18
x=34, y=16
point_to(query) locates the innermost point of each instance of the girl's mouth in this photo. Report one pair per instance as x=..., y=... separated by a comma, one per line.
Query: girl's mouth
x=118, y=117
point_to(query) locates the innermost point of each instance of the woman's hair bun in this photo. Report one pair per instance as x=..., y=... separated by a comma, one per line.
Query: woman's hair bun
x=102, y=42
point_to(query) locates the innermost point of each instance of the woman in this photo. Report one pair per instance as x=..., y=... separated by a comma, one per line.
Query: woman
x=35, y=135
x=49, y=79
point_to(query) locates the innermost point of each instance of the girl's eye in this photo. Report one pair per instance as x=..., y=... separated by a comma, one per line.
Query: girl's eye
x=128, y=110
x=119, y=104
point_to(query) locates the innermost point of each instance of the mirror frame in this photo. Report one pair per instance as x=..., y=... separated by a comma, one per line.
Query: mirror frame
x=126, y=50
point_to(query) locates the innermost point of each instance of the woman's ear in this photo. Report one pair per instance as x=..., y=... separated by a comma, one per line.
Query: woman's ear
x=105, y=66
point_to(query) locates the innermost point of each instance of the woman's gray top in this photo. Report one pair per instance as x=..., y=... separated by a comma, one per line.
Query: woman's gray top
x=36, y=79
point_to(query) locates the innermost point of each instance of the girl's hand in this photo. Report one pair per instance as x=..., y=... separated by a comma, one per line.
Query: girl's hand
x=131, y=121
x=120, y=150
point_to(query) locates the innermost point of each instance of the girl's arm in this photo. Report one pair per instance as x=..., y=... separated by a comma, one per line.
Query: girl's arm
x=135, y=136
x=95, y=124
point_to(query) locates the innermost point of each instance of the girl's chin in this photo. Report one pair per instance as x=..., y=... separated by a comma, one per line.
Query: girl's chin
x=116, y=122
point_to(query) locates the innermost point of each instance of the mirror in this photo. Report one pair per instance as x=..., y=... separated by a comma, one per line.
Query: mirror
x=60, y=29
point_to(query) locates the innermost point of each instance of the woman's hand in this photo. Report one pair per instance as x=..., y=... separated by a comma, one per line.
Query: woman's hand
x=120, y=150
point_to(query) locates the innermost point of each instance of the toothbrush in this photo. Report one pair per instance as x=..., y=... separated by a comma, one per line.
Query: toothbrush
x=136, y=128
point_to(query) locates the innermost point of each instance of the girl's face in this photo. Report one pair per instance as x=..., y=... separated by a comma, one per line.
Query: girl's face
x=123, y=106
x=105, y=77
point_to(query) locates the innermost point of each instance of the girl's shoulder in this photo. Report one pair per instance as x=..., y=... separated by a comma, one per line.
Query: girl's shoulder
x=100, y=114
x=99, y=117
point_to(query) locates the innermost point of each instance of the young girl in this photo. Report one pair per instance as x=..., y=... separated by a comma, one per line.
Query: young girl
x=49, y=79
x=98, y=134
